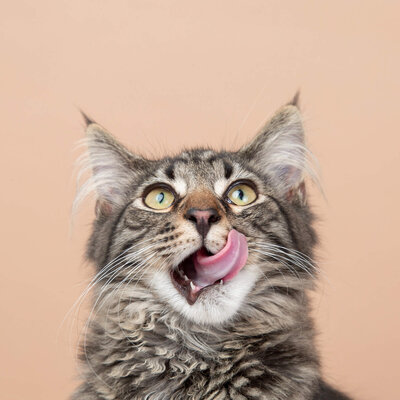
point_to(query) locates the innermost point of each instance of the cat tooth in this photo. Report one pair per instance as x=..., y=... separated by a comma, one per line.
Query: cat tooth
x=194, y=288
x=221, y=282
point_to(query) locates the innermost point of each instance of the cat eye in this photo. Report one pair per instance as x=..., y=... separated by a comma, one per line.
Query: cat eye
x=241, y=194
x=159, y=198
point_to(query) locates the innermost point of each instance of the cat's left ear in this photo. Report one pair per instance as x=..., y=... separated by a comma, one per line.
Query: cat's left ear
x=279, y=152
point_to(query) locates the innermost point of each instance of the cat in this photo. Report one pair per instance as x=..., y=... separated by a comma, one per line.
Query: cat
x=203, y=262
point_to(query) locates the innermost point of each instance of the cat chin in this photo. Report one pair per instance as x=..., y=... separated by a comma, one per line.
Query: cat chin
x=216, y=305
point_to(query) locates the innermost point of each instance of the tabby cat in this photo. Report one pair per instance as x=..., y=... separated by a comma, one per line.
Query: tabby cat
x=203, y=261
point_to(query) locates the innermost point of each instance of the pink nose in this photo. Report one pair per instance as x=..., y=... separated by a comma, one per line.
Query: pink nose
x=203, y=219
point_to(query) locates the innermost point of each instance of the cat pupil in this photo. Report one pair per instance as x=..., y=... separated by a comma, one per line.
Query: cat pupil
x=160, y=197
x=240, y=194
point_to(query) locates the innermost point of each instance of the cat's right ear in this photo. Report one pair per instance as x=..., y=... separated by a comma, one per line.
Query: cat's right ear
x=113, y=168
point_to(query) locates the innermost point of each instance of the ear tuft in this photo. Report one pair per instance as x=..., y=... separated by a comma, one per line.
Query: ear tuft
x=279, y=151
x=87, y=119
x=296, y=100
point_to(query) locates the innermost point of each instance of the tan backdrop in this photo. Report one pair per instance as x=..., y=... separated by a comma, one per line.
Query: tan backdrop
x=166, y=74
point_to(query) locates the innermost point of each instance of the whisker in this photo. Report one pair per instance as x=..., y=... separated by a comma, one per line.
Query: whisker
x=279, y=259
x=298, y=258
x=120, y=298
x=99, y=275
x=289, y=250
x=90, y=319
x=135, y=270
x=77, y=304
x=113, y=275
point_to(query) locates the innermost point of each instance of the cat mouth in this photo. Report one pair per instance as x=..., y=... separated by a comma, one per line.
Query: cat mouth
x=202, y=270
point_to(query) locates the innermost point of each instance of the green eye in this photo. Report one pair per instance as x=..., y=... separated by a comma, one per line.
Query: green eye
x=241, y=194
x=159, y=198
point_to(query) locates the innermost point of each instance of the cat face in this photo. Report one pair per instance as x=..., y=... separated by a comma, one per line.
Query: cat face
x=207, y=234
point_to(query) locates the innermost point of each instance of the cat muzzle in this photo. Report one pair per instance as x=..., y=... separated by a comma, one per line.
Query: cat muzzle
x=201, y=270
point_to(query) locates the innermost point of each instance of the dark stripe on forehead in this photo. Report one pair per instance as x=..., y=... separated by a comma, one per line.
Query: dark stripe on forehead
x=169, y=171
x=228, y=169
x=212, y=159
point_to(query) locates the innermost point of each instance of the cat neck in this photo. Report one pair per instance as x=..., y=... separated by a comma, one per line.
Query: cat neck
x=142, y=319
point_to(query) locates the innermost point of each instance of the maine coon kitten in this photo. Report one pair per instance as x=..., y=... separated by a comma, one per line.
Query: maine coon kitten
x=203, y=260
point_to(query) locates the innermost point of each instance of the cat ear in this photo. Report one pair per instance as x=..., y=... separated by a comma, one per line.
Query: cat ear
x=112, y=167
x=279, y=151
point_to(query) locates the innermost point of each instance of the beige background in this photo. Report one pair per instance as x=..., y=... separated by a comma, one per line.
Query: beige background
x=166, y=74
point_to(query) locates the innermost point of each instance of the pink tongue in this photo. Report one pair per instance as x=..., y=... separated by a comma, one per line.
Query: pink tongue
x=225, y=265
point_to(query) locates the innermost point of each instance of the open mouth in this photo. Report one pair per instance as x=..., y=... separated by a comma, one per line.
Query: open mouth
x=202, y=270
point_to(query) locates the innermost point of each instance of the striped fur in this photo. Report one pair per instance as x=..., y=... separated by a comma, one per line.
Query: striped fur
x=250, y=338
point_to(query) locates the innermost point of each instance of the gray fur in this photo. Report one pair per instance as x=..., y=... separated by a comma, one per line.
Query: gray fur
x=139, y=342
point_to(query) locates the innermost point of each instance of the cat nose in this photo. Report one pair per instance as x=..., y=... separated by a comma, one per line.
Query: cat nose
x=203, y=219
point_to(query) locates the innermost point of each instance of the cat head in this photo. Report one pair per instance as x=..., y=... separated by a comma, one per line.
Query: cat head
x=207, y=234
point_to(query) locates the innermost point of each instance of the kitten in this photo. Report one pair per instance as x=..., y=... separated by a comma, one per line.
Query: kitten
x=203, y=262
